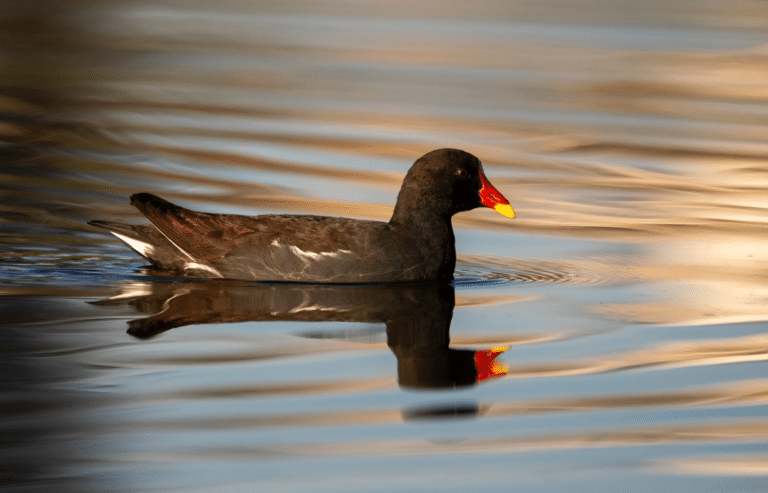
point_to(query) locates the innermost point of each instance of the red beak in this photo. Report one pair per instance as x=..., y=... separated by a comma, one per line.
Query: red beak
x=490, y=197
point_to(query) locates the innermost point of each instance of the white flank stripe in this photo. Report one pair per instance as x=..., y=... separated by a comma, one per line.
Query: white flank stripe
x=314, y=255
x=207, y=268
x=194, y=264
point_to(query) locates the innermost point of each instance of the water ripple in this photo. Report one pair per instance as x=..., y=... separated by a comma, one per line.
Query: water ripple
x=472, y=272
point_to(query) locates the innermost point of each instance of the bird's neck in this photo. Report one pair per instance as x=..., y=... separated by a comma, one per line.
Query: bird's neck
x=430, y=237
x=423, y=219
x=412, y=208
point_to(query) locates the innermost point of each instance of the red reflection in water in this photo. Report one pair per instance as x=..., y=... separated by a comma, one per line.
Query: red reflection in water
x=487, y=366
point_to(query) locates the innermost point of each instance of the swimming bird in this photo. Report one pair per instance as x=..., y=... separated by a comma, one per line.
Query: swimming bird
x=417, y=244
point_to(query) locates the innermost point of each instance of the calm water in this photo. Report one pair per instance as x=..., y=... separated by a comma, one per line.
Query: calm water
x=631, y=291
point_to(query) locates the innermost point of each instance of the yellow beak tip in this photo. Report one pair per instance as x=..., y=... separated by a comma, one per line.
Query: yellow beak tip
x=505, y=210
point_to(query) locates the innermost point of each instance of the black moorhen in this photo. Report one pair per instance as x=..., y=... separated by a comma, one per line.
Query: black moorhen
x=417, y=244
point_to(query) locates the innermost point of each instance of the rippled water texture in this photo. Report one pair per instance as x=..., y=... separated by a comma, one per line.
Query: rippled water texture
x=614, y=337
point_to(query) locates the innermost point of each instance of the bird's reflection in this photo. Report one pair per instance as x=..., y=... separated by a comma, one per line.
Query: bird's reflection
x=417, y=317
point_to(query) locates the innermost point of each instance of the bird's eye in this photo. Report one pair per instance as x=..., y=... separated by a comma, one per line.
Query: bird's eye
x=462, y=173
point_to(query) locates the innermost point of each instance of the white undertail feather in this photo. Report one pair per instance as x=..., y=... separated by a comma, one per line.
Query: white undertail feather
x=142, y=247
x=147, y=250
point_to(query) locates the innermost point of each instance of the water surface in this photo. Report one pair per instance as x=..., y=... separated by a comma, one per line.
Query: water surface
x=630, y=293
